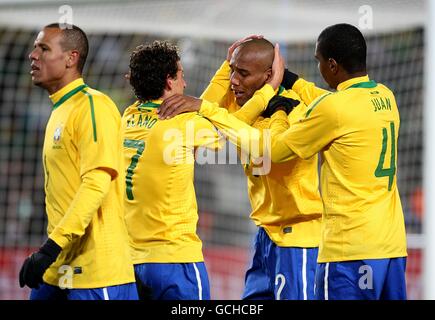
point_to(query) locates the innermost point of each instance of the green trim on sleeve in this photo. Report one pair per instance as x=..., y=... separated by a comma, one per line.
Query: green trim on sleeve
x=316, y=103
x=94, y=124
x=280, y=90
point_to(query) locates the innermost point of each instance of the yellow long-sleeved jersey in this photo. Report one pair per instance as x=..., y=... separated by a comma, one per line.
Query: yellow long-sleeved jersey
x=356, y=130
x=160, y=204
x=81, y=149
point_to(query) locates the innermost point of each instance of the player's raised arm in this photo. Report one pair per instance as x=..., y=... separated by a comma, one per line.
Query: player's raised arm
x=308, y=91
x=304, y=138
x=255, y=104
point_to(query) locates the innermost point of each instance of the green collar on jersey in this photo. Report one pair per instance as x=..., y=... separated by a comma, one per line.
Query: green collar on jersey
x=280, y=90
x=149, y=104
x=69, y=95
x=367, y=84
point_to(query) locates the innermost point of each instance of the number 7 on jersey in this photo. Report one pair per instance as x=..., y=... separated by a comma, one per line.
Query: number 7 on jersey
x=139, y=145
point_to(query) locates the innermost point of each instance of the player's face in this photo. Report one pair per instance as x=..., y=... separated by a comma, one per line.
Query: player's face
x=325, y=69
x=179, y=83
x=48, y=60
x=248, y=74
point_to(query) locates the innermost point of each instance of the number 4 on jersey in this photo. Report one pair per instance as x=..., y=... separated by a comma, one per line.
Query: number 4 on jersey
x=391, y=171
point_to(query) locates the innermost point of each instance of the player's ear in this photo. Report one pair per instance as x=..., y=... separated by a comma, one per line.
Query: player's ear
x=268, y=74
x=169, y=83
x=72, y=59
x=333, y=65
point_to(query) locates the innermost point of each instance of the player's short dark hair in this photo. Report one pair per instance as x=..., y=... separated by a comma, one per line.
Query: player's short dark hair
x=73, y=38
x=260, y=43
x=150, y=66
x=345, y=44
x=262, y=46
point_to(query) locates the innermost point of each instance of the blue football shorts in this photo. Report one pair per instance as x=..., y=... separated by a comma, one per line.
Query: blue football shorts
x=280, y=273
x=119, y=292
x=173, y=281
x=371, y=279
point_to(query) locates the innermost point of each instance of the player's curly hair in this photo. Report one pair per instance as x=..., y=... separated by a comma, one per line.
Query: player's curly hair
x=150, y=65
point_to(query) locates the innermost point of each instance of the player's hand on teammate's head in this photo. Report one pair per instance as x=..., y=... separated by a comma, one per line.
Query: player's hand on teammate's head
x=279, y=103
x=176, y=104
x=37, y=263
x=238, y=42
x=289, y=79
x=277, y=69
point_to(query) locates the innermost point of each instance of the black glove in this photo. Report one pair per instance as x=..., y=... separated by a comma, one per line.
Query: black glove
x=35, y=265
x=289, y=79
x=279, y=102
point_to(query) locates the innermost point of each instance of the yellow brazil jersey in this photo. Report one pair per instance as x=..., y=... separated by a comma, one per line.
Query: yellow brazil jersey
x=160, y=202
x=83, y=134
x=356, y=130
x=285, y=202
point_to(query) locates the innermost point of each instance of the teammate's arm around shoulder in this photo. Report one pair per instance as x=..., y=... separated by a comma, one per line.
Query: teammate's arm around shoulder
x=315, y=129
x=206, y=134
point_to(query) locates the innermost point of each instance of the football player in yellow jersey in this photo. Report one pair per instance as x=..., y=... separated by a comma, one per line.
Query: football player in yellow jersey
x=362, y=253
x=86, y=255
x=286, y=204
x=160, y=203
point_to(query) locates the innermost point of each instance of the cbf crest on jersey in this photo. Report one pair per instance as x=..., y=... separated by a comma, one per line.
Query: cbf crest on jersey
x=57, y=136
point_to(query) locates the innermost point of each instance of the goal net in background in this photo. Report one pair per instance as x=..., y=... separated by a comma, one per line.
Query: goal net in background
x=203, y=30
